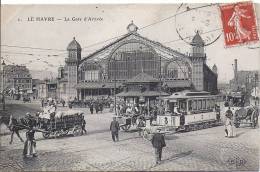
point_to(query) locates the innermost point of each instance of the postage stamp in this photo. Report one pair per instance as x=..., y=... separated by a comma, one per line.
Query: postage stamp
x=239, y=23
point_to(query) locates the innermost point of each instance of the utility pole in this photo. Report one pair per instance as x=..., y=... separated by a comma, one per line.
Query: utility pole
x=256, y=78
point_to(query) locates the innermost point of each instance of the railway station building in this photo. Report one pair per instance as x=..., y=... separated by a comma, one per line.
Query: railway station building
x=135, y=66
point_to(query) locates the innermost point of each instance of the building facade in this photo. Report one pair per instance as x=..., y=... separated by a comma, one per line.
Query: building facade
x=107, y=71
x=244, y=80
x=17, y=78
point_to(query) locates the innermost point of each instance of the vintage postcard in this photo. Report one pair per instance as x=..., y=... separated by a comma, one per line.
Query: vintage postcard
x=130, y=87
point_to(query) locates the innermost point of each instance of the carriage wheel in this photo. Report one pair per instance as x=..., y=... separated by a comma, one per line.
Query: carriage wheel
x=77, y=131
x=237, y=125
x=46, y=135
x=65, y=132
x=187, y=128
x=57, y=133
x=126, y=127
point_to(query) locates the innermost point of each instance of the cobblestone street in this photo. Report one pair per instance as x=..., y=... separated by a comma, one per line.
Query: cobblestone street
x=205, y=149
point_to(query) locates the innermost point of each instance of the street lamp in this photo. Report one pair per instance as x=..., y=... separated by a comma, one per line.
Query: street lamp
x=3, y=96
x=114, y=59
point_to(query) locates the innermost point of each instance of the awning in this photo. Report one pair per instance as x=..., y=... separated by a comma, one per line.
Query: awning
x=97, y=85
x=142, y=94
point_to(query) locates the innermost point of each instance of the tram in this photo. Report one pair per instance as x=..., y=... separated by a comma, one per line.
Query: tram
x=188, y=110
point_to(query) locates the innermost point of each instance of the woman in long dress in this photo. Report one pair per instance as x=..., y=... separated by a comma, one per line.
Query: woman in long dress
x=229, y=125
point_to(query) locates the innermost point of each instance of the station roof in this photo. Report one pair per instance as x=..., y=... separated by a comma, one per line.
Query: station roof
x=189, y=94
x=178, y=83
x=144, y=94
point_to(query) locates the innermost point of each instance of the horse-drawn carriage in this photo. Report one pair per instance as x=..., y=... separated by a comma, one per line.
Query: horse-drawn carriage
x=246, y=115
x=126, y=121
x=243, y=113
x=61, y=123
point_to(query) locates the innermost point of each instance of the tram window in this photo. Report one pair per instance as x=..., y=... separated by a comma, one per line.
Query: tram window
x=212, y=104
x=199, y=104
x=203, y=104
x=194, y=104
x=190, y=105
x=208, y=103
x=182, y=105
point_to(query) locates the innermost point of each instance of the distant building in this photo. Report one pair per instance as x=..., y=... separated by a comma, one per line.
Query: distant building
x=243, y=79
x=17, y=78
x=48, y=88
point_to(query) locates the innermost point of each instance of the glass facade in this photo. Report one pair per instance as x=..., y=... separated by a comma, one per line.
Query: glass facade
x=131, y=59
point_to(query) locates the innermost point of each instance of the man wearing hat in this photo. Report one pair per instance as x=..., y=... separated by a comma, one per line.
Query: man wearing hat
x=158, y=142
x=114, y=128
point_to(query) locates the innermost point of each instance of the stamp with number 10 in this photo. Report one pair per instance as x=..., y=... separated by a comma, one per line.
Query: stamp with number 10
x=239, y=23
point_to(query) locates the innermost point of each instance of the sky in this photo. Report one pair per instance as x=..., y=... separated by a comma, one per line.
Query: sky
x=109, y=21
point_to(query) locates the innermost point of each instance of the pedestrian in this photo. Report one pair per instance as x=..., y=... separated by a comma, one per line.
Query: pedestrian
x=101, y=107
x=229, y=124
x=158, y=143
x=140, y=125
x=96, y=107
x=14, y=128
x=83, y=126
x=151, y=119
x=91, y=108
x=63, y=102
x=42, y=102
x=114, y=128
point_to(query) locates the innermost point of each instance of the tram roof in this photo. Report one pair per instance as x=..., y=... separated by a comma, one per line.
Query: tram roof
x=189, y=94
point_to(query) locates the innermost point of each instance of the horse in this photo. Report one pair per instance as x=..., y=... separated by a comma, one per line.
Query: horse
x=16, y=125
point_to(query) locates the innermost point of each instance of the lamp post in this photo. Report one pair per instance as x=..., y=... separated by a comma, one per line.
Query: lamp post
x=3, y=95
x=115, y=82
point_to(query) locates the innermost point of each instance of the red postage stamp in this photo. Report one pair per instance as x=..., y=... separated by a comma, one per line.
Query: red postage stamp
x=239, y=23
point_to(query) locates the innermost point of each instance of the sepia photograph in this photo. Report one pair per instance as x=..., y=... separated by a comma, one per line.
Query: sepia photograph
x=130, y=87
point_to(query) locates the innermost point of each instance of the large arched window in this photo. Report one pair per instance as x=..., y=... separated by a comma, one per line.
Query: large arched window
x=130, y=59
x=176, y=70
x=91, y=72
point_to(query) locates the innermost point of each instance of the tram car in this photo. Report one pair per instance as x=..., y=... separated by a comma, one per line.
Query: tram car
x=187, y=110
x=61, y=123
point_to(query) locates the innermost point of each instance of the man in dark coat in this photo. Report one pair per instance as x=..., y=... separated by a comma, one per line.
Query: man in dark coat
x=114, y=128
x=97, y=107
x=158, y=142
x=91, y=108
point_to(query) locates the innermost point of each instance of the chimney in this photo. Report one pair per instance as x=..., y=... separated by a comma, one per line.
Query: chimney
x=235, y=74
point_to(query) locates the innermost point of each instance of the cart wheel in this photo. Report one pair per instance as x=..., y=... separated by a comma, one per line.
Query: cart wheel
x=57, y=133
x=126, y=127
x=65, y=132
x=187, y=128
x=77, y=131
x=237, y=125
x=46, y=135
